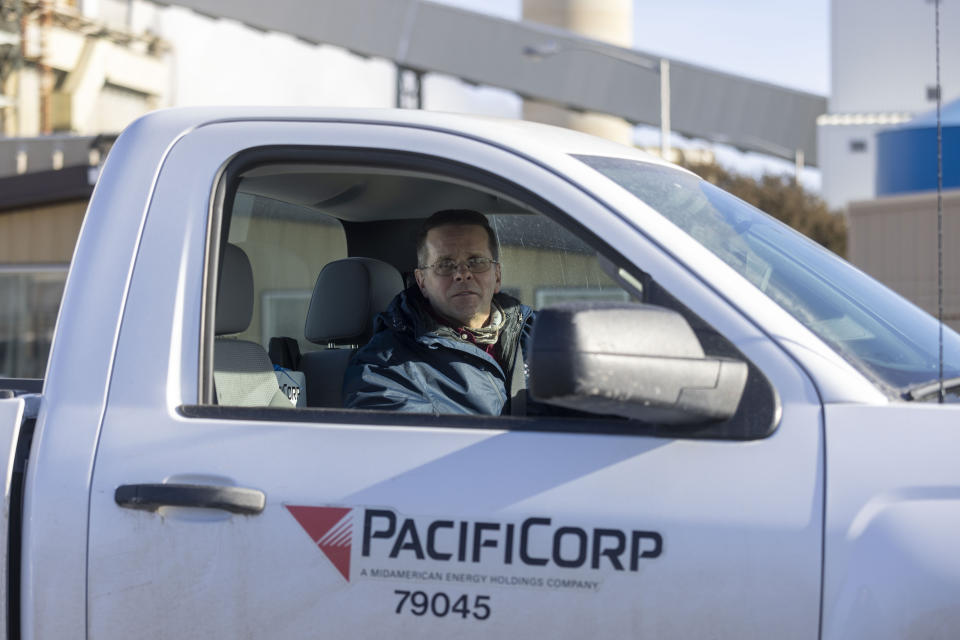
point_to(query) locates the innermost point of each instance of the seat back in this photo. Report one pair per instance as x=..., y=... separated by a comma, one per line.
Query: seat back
x=346, y=299
x=242, y=372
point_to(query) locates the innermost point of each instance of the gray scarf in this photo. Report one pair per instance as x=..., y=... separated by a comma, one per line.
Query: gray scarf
x=490, y=332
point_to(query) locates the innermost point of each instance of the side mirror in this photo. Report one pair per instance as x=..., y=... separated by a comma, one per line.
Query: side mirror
x=631, y=360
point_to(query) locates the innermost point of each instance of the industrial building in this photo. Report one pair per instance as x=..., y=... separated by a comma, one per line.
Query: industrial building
x=73, y=73
x=71, y=70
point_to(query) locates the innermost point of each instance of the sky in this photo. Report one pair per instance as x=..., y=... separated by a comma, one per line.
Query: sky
x=785, y=42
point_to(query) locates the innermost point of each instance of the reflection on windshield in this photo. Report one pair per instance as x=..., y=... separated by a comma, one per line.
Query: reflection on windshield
x=889, y=339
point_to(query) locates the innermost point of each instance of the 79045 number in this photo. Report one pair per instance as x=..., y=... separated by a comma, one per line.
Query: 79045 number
x=440, y=604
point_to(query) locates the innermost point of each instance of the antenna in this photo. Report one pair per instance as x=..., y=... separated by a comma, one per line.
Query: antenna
x=939, y=206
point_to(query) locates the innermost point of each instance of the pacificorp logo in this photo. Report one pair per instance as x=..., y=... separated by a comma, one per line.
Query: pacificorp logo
x=535, y=542
x=331, y=528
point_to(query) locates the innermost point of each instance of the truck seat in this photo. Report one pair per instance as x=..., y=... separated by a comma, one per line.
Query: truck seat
x=242, y=372
x=348, y=295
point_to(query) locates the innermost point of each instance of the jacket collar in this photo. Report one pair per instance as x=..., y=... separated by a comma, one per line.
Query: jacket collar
x=409, y=311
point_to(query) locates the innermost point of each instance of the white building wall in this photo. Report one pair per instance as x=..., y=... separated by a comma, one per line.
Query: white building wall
x=445, y=93
x=847, y=172
x=223, y=62
x=115, y=105
x=883, y=56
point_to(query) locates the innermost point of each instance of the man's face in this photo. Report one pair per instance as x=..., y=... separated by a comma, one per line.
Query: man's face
x=462, y=296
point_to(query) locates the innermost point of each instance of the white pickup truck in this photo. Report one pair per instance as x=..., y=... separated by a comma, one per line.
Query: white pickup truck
x=746, y=439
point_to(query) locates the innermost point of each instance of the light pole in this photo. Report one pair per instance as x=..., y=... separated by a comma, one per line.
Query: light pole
x=661, y=68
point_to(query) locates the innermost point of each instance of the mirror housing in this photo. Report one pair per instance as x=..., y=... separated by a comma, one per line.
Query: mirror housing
x=631, y=360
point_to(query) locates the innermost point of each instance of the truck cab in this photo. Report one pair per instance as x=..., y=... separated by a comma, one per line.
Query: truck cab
x=176, y=486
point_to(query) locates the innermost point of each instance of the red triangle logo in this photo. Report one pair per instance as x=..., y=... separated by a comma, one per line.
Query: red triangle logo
x=331, y=528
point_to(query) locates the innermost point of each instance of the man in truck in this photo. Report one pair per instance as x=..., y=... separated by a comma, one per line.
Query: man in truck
x=452, y=343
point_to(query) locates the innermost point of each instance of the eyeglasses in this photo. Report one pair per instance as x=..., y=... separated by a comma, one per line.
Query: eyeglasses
x=450, y=267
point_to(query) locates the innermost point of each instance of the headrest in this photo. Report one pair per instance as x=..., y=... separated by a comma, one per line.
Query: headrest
x=347, y=297
x=234, y=292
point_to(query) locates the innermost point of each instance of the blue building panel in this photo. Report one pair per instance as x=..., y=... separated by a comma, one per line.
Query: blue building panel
x=907, y=155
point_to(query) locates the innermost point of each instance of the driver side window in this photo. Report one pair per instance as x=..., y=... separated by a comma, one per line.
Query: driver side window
x=332, y=249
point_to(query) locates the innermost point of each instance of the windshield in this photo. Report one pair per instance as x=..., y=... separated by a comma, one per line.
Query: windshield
x=893, y=342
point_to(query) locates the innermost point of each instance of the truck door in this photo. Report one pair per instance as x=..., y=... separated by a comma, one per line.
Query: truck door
x=224, y=521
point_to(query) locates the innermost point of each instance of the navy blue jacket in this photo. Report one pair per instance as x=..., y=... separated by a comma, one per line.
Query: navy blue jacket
x=417, y=365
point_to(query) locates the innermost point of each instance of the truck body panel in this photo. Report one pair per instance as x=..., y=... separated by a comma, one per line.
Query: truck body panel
x=77, y=383
x=427, y=475
x=834, y=519
x=893, y=513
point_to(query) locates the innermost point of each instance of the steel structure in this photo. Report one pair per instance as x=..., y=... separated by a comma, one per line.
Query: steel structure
x=587, y=75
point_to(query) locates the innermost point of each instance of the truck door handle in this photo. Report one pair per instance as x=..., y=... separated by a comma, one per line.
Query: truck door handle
x=150, y=497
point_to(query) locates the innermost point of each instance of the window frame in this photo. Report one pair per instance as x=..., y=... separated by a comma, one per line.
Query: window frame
x=407, y=161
